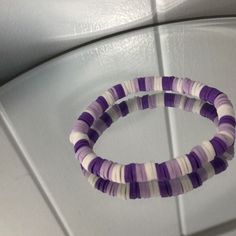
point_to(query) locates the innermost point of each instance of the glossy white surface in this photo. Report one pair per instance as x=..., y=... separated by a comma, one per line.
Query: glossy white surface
x=203, y=51
x=42, y=106
x=33, y=31
x=23, y=210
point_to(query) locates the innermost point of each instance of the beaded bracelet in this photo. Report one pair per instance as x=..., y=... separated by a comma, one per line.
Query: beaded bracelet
x=199, y=155
x=165, y=188
x=154, y=188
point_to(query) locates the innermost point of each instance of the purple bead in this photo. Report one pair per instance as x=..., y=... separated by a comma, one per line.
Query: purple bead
x=195, y=179
x=208, y=111
x=169, y=99
x=80, y=126
x=218, y=145
x=227, y=119
x=209, y=94
x=106, y=119
x=105, y=185
x=80, y=143
x=187, y=85
x=134, y=191
x=102, y=102
x=213, y=94
x=86, y=117
x=165, y=188
x=144, y=101
x=162, y=171
x=194, y=160
x=176, y=187
x=82, y=153
x=95, y=165
x=219, y=165
x=149, y=82
x=144, y=190
x=123, y=108
x=119, y=90
x=141, y=84
x=98, y=182
x=93, y=135
x=189, y=104
x=130, y=173
x=167, y=82
x=198, y=150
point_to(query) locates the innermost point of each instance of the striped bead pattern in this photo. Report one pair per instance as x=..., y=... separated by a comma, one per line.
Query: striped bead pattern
x=155, y=188
x=163, y=188
x=213, y=103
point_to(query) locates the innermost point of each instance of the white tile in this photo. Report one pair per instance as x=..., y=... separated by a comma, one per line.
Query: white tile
x=24, y=212
x=42, y=106
x=204, y=51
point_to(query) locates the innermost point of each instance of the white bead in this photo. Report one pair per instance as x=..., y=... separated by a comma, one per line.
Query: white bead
x=125, y=89
x=157, y=84
x=128, y=85
x=225, y=109
x=199, y=88
x=160, y=100
x=116, y=173
x=183, y=166
x=122, y=174
x=209, y=150
x=188, y=164
x=92, y=179
x=76, y=136
x=121, y=191
x=87, y=159
x=132, y=105
x=197, y=106
x=150, y=171
x=228, y=136
x=179, y=86
x=186, y=183
x=109, y=98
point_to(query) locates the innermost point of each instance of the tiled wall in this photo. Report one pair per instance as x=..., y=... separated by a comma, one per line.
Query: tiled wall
x=43, y=191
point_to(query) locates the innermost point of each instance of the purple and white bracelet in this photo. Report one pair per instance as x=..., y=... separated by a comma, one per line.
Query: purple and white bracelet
x=164, y=188
x=82, y=133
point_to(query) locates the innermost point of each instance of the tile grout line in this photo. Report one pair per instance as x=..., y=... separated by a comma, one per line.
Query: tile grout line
x=166, y=110
x=29, y=165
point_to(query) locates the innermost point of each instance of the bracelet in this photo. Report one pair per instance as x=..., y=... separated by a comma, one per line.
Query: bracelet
x=171, y=169
x=154, y=188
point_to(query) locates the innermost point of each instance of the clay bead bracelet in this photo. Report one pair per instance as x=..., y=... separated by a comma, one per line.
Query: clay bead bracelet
x=223, y=139
x=117, y=111
x=155, y=188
